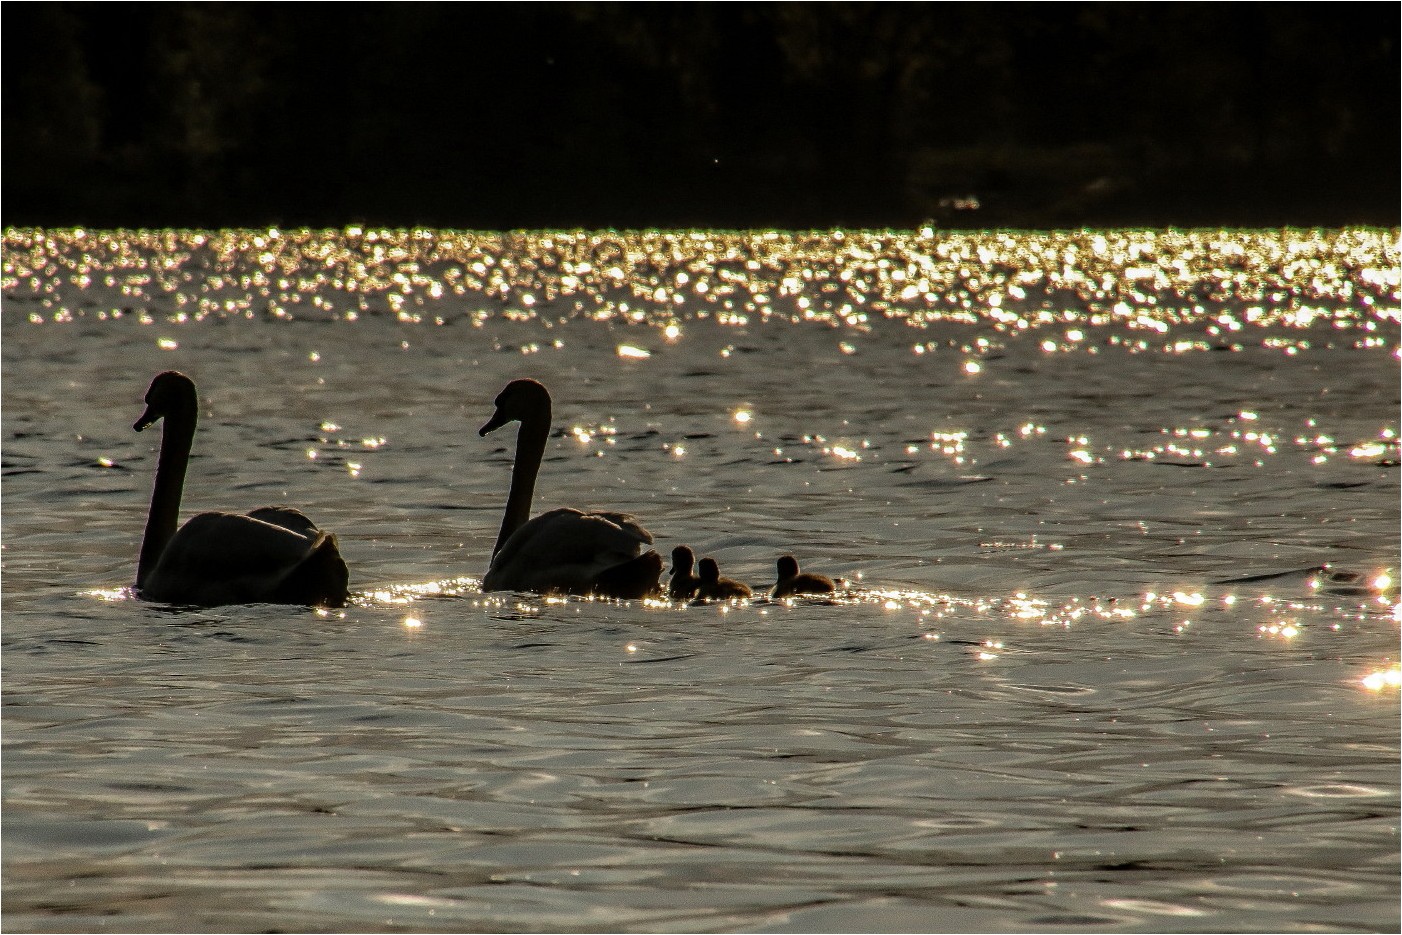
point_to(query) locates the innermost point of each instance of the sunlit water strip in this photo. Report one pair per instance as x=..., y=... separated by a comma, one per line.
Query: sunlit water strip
x=1218, y=283
x=928, y=610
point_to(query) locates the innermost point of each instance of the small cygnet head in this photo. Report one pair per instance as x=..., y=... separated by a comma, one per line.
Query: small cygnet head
x=708, y=571
x=170, y=393
x=520, y=400
x=788, y=567
x=682, y=559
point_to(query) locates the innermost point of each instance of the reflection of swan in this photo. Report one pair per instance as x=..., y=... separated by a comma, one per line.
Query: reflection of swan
x=272, y=555
x=792, y=582
x=715, y=588
x=684, y=582
x=563, y=550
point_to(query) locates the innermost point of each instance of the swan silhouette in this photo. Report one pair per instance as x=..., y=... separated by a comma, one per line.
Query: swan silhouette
x=715, y=588
x=684, y=582
x=792, y=582
x=564, y=550
x=271, y=555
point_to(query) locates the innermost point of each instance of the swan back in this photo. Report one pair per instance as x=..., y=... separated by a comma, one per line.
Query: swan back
x=233, y=558
x=567, y=550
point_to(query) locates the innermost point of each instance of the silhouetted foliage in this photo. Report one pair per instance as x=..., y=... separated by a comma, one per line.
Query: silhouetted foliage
x=498, y=115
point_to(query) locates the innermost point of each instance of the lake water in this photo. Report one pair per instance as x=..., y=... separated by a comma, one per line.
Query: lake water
x=1118, y=512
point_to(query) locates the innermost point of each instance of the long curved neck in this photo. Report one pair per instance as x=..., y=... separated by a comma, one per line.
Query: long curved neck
x=177, y=435
x=530, y=449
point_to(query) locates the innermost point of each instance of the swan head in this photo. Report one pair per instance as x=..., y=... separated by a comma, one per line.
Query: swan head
x=708, y=570
x=788, y=566
x=519, y=401
x=682, y=559
x=170, y=393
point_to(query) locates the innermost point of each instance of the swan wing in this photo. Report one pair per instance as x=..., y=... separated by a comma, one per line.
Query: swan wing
x=232, y=558
x=624, y=521
x=565, y=550
x=288, y=518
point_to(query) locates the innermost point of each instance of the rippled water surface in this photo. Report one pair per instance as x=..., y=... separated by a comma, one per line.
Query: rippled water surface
x=1118, y=512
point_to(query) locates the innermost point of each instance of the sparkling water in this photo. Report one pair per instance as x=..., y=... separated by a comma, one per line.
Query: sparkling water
x=1116, y=513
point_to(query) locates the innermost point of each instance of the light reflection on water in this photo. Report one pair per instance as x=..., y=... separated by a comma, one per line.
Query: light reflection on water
x=1217, y=282
x=1117, y=511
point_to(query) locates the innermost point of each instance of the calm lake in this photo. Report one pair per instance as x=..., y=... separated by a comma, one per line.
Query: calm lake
x=1117, y=511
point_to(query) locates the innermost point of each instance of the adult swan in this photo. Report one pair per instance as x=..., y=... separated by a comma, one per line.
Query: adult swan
x=563, y=550
x=271, y=555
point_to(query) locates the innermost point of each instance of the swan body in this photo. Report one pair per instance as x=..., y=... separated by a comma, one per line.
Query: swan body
x=565, y=550
x=569, y=551
x=272, y=555
x=715, y=588
x=792, y=581
x=684, y=581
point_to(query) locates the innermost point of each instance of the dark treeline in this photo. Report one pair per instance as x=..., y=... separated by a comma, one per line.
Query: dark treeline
x=490, y=115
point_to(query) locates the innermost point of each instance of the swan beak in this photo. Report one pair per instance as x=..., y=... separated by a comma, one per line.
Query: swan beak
x=497, y=421
x=148, y=418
